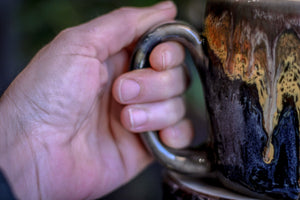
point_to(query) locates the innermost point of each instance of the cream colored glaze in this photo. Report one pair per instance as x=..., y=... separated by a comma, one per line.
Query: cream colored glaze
x=252, y=60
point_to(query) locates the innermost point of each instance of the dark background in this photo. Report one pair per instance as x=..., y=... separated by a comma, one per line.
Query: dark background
x=26, y=26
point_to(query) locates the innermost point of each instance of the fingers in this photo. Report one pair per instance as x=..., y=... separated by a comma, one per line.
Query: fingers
x=166, y=55
x=179, y=135
x=148, y=85
x=112, y=32
x=156, y=116
x=153, y=116
x=164, y=80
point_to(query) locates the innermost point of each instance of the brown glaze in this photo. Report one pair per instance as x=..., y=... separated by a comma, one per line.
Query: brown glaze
x=262, y=50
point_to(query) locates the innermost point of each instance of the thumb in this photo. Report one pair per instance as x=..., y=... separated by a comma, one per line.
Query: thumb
x=112, y=32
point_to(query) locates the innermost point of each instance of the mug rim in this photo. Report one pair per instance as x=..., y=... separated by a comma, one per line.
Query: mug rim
x=282, y=7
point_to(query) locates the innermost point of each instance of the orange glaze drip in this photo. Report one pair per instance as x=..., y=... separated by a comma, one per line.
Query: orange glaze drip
x=247, y=55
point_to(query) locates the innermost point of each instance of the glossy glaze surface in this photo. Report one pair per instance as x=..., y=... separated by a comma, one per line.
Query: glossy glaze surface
x=252, y=91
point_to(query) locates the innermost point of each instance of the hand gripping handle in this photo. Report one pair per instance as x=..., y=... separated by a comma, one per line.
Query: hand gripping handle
x=186, y=161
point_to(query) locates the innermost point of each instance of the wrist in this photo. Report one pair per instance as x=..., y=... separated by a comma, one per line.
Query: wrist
x=17, y=160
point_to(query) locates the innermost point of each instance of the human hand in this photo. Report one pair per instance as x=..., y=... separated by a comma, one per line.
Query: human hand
x=61, y=134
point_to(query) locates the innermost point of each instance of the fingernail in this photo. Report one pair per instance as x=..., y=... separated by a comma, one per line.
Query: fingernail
x=138, y=117
x=164, y=5
x=129, y=89
x=165, y=56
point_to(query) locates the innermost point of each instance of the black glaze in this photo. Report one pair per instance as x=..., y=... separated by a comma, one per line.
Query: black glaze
x=240, y=141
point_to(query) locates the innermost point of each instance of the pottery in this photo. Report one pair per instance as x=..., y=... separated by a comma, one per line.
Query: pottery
x=248, y=58
x=177, y=186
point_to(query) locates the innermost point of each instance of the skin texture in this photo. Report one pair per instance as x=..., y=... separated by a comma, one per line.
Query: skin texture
x=68, y=120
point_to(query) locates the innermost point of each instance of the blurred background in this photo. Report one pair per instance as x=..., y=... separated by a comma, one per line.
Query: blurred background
x=26, y=26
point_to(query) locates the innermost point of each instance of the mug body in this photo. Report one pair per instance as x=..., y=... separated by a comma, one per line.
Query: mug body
x=252, y=91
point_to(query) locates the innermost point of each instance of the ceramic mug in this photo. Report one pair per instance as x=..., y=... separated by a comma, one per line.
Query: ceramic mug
x=248, y=58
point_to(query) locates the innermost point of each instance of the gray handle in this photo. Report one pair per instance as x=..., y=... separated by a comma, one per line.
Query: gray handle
x=185, y=161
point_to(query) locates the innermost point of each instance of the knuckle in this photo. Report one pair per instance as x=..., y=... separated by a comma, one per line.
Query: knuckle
x=72, y=41
x=166, y=78
x=126, y=13
x=67, y=33
x=125, y=10
x=179, y=106
x=65, y=38
x=176, y=110
x=129, y=15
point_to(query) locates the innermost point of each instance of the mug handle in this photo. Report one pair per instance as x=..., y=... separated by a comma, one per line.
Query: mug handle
x=186, y=161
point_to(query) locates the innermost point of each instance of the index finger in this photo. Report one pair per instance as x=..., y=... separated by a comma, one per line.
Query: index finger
x=116, y=30
x=167, y=55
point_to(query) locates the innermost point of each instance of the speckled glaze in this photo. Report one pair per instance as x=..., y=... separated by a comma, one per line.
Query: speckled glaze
x=252, y=88
x=249, y=63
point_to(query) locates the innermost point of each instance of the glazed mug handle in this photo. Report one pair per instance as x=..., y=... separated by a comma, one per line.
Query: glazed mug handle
x=186, y=161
